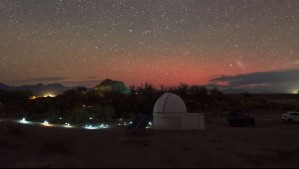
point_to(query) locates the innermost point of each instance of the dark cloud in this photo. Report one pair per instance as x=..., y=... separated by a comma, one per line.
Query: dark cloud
x=48, y=79
x=43, y=80
x=87, y=83
x=284, y=81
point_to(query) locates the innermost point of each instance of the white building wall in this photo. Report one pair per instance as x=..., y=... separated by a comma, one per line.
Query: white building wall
x=171, y=121
x=178, y=121
x=193, y=121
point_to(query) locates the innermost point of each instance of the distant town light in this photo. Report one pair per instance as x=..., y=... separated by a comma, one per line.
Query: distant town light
x=33, y=97
x=49, y=95
x=295, y=91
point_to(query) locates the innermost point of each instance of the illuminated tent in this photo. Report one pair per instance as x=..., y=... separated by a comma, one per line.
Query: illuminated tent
x=170, y=113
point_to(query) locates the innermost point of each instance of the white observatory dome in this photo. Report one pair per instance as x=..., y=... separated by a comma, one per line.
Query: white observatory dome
x=170, y=103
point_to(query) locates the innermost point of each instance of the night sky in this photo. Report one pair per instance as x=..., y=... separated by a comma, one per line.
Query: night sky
x=158, y=41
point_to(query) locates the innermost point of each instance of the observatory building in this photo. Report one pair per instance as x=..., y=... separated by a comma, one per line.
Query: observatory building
x=170, y=113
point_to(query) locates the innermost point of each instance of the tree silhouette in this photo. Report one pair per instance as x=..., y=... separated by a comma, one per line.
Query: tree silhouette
x=109, y=85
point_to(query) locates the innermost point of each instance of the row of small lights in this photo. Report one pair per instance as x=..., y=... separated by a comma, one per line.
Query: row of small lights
x=125, y=124
x=67, y=125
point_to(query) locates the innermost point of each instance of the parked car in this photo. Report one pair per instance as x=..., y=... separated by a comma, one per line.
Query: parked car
x=290, y=117
x=240, y=119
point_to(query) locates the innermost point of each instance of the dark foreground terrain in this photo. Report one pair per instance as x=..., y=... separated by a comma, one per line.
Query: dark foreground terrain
x=271, y=143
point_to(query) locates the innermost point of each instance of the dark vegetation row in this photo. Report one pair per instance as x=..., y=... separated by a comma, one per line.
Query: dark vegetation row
x=112, y=100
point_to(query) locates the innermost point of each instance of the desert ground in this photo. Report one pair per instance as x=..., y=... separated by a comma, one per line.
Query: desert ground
x=271, y=143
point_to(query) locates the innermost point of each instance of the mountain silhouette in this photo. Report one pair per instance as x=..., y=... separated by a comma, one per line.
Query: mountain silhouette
x=38, y=89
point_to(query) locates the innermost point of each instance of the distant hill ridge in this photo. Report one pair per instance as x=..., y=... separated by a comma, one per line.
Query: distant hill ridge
x=38, y=89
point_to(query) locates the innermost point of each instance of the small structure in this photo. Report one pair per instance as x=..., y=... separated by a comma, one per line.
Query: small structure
x=170, y=113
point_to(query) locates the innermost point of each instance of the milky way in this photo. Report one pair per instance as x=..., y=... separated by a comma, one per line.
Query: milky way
x=158, y=41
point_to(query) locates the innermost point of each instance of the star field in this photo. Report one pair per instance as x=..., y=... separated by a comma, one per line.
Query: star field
x=158, y=41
